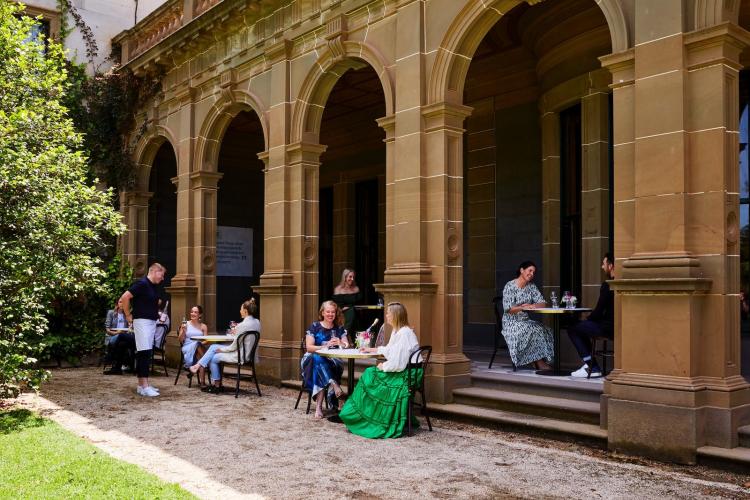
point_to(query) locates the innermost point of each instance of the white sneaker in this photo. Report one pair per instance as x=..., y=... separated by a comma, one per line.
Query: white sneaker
x=154, y=388
x=147, y=391
x=582, y=372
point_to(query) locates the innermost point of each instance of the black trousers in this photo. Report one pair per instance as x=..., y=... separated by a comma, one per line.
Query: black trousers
x=121, y=350
x=143, y=363
x=582, y=332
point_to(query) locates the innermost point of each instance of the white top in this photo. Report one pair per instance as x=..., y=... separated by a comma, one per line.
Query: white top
x=399, y=348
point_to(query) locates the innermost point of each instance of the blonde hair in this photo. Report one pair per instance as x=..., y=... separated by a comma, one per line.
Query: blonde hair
x=156, y=267
x=398, y=315
x=344, y=274
x=339, y=315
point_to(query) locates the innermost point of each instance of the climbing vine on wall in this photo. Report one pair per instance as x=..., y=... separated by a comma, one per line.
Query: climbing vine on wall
x=104, y=105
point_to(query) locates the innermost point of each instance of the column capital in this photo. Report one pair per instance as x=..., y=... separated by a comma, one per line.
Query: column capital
x=722, y=43
x=204, y=179
x=445, y=115
x=309, y=152
x=622, y=67
x=388, y=123
x=136, y=197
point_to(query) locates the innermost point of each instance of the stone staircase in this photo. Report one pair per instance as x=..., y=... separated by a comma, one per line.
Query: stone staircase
x=522, y=399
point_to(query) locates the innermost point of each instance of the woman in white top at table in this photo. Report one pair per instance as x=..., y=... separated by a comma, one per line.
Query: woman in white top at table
x=192, y=349
x=378, y=407
x=218, y=353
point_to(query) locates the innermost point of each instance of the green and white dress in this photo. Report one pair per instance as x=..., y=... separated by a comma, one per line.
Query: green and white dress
x=528, y=340
x=378, y=407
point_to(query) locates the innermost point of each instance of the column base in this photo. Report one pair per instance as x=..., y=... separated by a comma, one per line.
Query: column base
x=279, y=349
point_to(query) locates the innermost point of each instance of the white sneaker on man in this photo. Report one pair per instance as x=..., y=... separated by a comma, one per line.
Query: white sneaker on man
x=147, y=391
x=583, y=372
x=154, y=388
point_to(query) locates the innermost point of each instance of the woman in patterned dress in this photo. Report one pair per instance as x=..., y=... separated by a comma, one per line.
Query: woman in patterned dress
x=528, y=341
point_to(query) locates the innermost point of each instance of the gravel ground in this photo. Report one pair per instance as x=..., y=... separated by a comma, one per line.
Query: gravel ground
x=260, y=447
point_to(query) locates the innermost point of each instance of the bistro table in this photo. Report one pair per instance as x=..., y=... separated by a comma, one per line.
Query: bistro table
x=556, y=312
x=350, y=355
x=214, y=339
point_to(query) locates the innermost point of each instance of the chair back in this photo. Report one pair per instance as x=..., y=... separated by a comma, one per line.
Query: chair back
x=419, y=358
x=159, y=340
x=497, y=304
x=247, y=345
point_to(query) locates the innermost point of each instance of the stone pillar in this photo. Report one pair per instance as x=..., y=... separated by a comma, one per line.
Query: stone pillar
x=675, y=117
x=203, y=189
x=288, y=287
x=594, y=190
x=550, y=128
x=135, y=241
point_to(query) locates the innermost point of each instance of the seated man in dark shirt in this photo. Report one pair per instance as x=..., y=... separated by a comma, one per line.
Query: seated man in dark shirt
x=600, y=323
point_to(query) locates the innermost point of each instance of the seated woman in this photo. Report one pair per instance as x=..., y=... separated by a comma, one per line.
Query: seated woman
x=528, y=341
x=192, y=349
x=346, y=294
x=114, y=324
x=319, y=372
x=378, y=407
x=217, y=353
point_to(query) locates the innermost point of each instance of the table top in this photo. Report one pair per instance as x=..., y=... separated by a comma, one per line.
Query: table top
x=120, y=329
x=347, y=353
x=559, y=310
x=214, y=338
x=375, y=306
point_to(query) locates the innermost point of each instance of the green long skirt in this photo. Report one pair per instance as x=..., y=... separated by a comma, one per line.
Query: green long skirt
x=378, y=407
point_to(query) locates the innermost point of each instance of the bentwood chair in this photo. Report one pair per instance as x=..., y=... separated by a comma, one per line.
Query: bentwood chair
x=497, y=306
x=416, y=370
x=181, y=367
x=247, y=345
x=604, y=352
x=158, y=349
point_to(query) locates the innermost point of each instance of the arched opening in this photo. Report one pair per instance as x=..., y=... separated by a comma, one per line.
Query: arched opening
x=162, y=211
x=239, y=216
x=352, y=186
x=537, y=161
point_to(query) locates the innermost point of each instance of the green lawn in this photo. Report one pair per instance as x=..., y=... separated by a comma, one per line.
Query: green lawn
x=40, y=459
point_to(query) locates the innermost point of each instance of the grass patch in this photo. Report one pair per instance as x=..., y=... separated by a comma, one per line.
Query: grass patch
x=40, y=459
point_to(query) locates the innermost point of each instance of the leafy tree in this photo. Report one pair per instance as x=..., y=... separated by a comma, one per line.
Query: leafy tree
x=53, y=223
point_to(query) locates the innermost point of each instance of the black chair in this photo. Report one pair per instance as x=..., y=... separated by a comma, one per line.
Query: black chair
x=604, y=352
x=302, y=388
x=418, y=360
x=247, y=344
x=181, y=368
x=497, y=306
x=159, y=349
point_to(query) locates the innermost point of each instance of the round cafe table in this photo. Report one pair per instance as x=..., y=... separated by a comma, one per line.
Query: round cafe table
x=214, y=339
x=556, y=312
x=349, y=355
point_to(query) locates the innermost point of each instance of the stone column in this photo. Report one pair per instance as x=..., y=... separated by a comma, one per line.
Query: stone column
x=677, y=372
x=203, y=189
x=550, y=128
x=594, y=190
x=135, y=241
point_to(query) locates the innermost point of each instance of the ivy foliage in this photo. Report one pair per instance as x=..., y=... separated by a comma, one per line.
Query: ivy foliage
x=54, y=223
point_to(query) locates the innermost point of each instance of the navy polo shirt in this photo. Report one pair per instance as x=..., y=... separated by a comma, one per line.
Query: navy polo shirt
x=145, y=302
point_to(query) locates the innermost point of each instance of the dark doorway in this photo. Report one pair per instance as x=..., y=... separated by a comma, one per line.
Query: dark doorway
x=162, y=211
x=570, y=200
x=325, y=249
x=239, y=252
x=366, y=238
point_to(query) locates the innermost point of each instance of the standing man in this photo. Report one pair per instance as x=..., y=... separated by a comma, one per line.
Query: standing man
x=600, y=323
x=143, y=316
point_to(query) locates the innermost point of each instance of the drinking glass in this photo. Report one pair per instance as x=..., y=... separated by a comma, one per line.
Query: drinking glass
x=553, y=299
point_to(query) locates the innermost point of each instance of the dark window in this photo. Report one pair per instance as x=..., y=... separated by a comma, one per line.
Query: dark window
x=39, y=31
x=744, y=187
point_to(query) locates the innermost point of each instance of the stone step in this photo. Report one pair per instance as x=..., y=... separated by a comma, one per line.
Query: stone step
x=530, y=383
x=738, y=457
x=520, y=420
x=744, y=433
x=558, y=408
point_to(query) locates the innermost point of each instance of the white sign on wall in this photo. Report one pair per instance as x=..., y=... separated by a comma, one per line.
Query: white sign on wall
x=234, y=251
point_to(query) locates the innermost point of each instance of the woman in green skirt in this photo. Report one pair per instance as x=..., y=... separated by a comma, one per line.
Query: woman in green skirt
x=378, y=406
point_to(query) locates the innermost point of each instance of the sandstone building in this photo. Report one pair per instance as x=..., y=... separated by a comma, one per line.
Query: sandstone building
x=435, y=144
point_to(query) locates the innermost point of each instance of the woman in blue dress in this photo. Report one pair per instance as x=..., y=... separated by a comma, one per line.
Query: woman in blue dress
x=319, y=372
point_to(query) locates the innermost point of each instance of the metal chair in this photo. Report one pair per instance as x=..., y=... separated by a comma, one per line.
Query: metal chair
x=181, y=367
x=604, y=352
x=418, y=360
x=302, y=388
x=497, y=306
x=159, y=349
x=247, y=345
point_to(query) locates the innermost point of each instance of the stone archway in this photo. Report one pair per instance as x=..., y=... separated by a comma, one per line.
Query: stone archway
x=470, y=27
